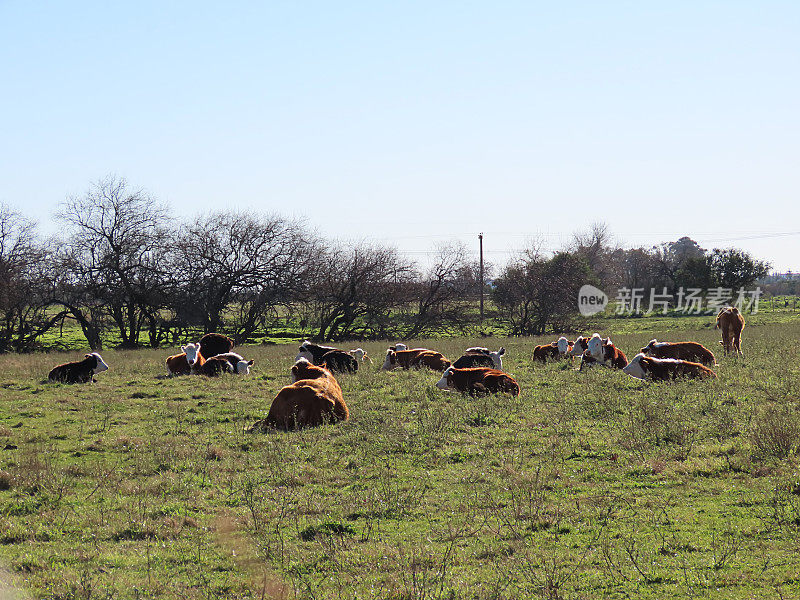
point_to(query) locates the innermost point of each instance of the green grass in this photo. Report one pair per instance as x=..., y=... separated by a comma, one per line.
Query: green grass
x=588, y=485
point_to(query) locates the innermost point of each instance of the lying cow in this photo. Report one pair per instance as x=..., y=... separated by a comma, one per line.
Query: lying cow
x=581, y=345
x=396, y=359
x=481, y=357
x=339, y=361
x=478, y=381
x=214, y=344
x=609, y=356
x=665, y=369
x=81, y=371
x=360, y=355
x=214, y=367
x=334, y=359
x=691, y=351
x=313, y=399
x=238, y=364
x=554, y=350
x=188, y=362
x=430, y=359
x=730, y=322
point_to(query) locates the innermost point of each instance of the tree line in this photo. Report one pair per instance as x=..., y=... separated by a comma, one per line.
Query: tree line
x=122, y=269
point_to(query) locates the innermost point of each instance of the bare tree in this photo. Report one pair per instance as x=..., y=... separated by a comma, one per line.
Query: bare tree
x=438, y=299
x=534, y=293
x=356, y=290
x=116, y=253
x=237, y=269
x=24, y=273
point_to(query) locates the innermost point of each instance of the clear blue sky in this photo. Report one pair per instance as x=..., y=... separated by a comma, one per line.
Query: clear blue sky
x=418, y=122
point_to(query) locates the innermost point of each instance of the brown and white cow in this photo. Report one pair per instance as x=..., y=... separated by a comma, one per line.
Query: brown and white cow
x=609, y=356
x=430, y=359
x=333, y=359
x=665, y=369
x=691, y=351
x=80, y=371
x=313, y=399
x=214, y=367
x=559, y=349
x=185, y=363
x=360, y=355
x=396, y=359
x=238, y=364
x=730, y=322
x=478, y=381
x=481, y=357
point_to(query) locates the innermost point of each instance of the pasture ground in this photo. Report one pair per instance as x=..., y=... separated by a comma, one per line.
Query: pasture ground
x=588, y=485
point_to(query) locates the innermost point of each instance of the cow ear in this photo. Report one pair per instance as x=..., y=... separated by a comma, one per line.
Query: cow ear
x=250, y=362
x=87, y=355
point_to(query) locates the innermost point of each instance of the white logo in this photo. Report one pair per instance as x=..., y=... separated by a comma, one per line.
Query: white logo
x=591, y=300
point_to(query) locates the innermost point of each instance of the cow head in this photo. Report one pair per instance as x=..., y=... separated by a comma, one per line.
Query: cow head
x=649, y=348
x=497, y=358
x=304, y=352
x=359, y=354
x=595, y=346
x=303, y=369
x=399, y=347
x=443, y=383
x=390, y=361
x=637, y=367
x=243, y=367
x=563, y=345
x=192, y=353
x=100, y=365
x=578, y=346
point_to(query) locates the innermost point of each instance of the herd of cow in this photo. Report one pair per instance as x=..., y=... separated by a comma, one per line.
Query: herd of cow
x=315, y=397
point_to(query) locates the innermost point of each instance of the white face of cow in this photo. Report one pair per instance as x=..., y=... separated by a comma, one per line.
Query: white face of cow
x=577, y=348
x=243, y=367
x=304, y=353
x=634, y=368
x=596, y=347
x=497, y=358
x=192, y=352
x=400, y=347
x=358, y=354
x=563, y=345
x=101, y=364
x=442, y=383
x=387, y=363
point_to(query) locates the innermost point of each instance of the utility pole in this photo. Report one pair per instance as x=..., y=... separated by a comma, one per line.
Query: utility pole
x=480, y=239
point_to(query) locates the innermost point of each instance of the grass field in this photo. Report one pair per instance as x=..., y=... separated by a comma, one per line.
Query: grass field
x=588, y=485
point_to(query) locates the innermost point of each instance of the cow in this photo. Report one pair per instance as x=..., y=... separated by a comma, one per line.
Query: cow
x=664, y=369
x=398, y=347
x=239, y=365
x=610, y=356
x=691, y=351
x=360, y=355
x=339, y=361
x=313, y=353
x=478, y=381
x=430, y=359
x=545, y=351
x=400, y=358
x=730, y=322
x=186, y=363
x=479, y=360
x=474, y=360
x=558, y=349
x=578, y=347
x=314, y=398
x=80, y=371
x=214, y=367
x=213, y=344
